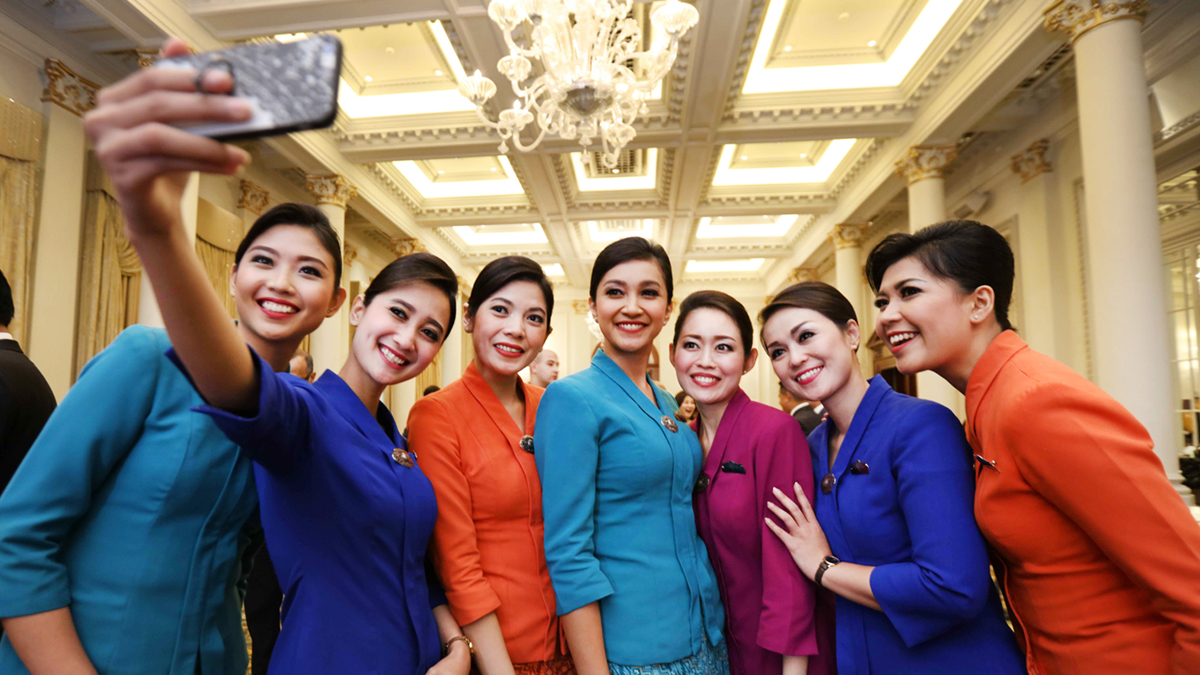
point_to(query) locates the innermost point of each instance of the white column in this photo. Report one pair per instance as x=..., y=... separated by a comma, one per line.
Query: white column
x=1124, y=244
x=148, y=312
x=333, y=192
x=922, y=168
x=847, y=241
x=1039, y=213
x=51, y=313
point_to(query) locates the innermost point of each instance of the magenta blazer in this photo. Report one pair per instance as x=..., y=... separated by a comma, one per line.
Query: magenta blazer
x=770, y=607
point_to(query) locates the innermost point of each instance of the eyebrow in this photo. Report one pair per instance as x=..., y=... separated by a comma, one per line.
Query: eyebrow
x=303, y=258
x=694, y=336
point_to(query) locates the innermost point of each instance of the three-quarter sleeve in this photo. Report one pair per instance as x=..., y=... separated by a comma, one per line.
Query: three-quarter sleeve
x=1095, y=462
x=567, y=452
x=788, y=623
x=94, y=428
x=947, y=581
x=279, y=434
x=454, y=546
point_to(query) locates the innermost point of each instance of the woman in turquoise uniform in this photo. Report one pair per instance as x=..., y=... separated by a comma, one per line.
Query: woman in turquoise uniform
x=631, y=576
x=346, y=510
x=121, y=533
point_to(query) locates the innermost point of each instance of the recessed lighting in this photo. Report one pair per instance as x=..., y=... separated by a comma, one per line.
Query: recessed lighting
x=616, y=171
x=493, y=168
x=871, y=43
x=803, y=155
x=787, y=48
x=843, y=16
x=744, y=158
x=368, y=78
x=441, y=172
x=390, y=50
x=438, y=73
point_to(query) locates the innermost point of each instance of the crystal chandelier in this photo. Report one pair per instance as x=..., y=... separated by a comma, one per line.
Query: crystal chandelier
x=595, y=81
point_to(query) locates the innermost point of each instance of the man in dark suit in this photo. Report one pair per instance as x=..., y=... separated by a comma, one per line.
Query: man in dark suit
x=26, y=400
x=807, y=414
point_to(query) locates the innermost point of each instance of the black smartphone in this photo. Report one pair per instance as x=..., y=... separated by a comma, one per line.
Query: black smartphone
x=291, y=86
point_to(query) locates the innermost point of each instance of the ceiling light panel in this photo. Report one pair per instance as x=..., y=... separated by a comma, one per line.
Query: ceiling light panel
x=606, y=183
x=761, y=79
x=745, y=227
x=503, y=235
x=742, y=265
x=436, y=187
x=406, y=64
x=555, y=270
x=607, y=231
x=819, y=172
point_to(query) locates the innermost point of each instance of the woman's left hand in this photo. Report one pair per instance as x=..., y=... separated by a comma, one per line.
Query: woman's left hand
x=803, y=536
x=457, y=662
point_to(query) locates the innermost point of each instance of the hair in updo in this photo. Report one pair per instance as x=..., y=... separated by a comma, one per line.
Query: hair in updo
x=301, y=215
x=724, y=303
x=818, y=296
x=420, y=266
x=966, y=252
x=627, y=250
x=504, y=271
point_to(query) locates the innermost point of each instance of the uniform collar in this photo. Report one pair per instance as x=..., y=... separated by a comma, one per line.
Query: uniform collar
x=877, y=389
x=1002, y=349
x=482, y=391
x=720, y=443
x=606, y=365
x=381, y=429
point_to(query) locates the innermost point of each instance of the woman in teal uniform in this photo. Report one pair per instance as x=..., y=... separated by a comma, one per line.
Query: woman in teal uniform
x=121, y=532
x=632, y=578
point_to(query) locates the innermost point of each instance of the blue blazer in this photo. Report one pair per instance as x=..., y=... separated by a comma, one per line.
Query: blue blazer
x=617, y=501
x=347, y=528
x=910, y=515
x=130, y=509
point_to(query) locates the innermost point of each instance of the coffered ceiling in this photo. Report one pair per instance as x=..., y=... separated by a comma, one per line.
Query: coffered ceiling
x=780, y=119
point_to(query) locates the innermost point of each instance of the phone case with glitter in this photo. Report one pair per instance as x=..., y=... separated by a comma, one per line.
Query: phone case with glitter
x=291, y=86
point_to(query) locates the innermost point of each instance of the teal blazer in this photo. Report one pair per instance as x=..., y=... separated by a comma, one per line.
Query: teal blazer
x=617, y=486
x=130, y=509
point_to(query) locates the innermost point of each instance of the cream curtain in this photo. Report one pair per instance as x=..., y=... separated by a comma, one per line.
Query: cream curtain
x=431, y=375
x=20, y=143
x=110, y=278
x=218, y=264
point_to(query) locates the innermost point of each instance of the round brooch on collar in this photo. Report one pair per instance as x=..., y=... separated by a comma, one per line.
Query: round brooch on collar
x=527, y=443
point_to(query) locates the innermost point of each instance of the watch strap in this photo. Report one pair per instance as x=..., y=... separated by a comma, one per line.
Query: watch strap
x=824, y=567
x=466, y=640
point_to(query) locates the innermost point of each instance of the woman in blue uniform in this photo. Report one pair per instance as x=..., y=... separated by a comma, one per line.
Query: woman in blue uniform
x=893, y=533
x=346, y=510
x=631, y=576
x=120, y=535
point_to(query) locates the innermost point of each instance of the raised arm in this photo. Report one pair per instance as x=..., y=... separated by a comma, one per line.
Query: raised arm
x=148, y=163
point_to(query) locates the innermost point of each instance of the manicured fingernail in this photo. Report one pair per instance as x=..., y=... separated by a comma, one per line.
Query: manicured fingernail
x=776, y=491
x=796, y=486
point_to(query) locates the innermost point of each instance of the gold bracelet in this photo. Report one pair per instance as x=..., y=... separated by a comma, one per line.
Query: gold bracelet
x=456, y=638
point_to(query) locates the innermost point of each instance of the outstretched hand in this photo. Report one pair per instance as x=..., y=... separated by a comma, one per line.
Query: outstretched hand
x=147, y=160
x=801, y=533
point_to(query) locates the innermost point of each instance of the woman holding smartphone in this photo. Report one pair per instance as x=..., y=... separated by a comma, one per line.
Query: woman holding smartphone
x=632, y=578
x=346, y=510
x=1098, y=556
x=475, y=440
x=749, y=448
x=94, y=572
x=891, y=533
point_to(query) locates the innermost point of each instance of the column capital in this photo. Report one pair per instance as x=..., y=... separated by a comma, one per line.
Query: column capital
x=580, y=306
x=331, y=189
x=848, y=235
x=925, y=161
x=463, y=287
x=349, y=254
x=1031, y=162
x=66, y=89
x=801, y=274
x=146, y=57
x=253, y=198
x=402, y=246
x=1076, y=17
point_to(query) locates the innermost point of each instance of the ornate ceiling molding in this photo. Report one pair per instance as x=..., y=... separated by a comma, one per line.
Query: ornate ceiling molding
x=331, y=189
x=253, y=198
x=1077, y=17
x=925, y=161
x=863, y=159
x=758, y=10
x=66, y=89
x=802, y=274
x=1031, y=162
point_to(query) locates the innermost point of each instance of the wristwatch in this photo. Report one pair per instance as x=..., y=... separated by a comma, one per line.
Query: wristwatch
x=466, y=640
x=828, y=562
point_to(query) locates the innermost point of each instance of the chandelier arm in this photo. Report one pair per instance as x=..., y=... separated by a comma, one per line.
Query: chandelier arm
x=487, y=122
x=516, y=139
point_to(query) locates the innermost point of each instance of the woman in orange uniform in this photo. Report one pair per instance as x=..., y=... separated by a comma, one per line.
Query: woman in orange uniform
x=474, y=440
x=1098, y=555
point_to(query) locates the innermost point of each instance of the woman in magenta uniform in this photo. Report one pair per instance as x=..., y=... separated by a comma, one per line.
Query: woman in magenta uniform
x=749, y=448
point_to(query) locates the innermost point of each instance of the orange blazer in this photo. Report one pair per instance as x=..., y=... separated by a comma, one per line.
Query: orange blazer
x=1098, y=556
x=487, y=545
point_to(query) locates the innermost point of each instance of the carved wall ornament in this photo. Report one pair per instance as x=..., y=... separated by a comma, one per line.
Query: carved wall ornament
x=848, y=235
x=146, y=57
x=925, y=161
x=1032, y=162
x=349, y=254
x=66, y=89
x=1076, y=17
x=402, y=246
x=802, y=274
x=331, y=189
x=253, y=198
x=580, y=306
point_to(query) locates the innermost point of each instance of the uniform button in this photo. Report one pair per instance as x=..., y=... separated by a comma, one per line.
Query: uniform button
x=527, y=444
x=403, y=458
x=701, y=483
x=828, y=482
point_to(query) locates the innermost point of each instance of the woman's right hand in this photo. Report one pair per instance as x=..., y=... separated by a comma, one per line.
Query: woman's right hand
x=147, y=160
